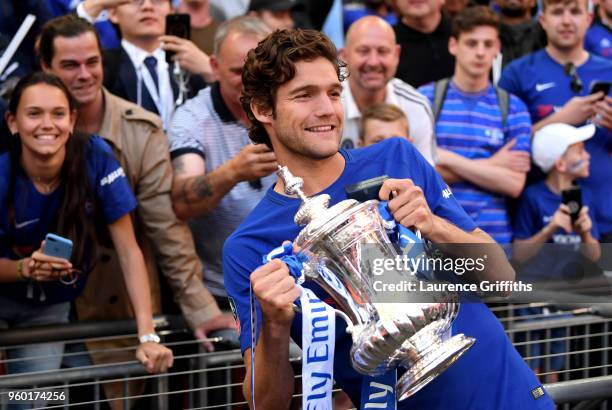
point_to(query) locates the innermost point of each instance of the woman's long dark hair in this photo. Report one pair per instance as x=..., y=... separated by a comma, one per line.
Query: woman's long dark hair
x=77, y=217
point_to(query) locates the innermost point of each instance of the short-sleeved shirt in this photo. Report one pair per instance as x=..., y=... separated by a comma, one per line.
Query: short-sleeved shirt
x=410, y=101
x=598, y=39
x=536, y=208
x=205, y=126
x=36, y=215
x=470, y=124
x=544, y=87
x=498, y=376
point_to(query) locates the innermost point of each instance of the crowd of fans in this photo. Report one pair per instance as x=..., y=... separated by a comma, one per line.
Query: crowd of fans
x=144, y=162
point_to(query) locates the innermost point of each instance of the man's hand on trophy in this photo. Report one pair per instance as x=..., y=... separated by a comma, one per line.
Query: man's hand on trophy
x=276, y=291
x=407, y=204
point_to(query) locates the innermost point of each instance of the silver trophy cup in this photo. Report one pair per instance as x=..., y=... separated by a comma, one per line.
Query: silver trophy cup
x=409, y=334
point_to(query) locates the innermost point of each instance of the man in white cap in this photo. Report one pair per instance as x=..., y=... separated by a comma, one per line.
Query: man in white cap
x=542, y=217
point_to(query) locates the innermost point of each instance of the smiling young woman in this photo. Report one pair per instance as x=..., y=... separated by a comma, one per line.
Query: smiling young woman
x=55, y=180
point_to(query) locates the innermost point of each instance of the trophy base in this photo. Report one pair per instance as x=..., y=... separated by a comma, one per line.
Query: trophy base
x=429, y=366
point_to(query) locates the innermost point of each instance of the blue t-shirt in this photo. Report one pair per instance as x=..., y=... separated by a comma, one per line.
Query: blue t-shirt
x=598, y=40
x=470, y=124
x=542, y=84
x=490, y=375
x=535, y=210
x=36, y=215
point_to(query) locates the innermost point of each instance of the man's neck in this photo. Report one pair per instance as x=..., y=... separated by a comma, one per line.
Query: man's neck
x=557, y=182
x=199, y=13
x=426, y=24
x=236, y=109
x=365, y=98
x=470, y=84
x=318, y=174
x=148, y=44
x=92, y=115
x=577, y=55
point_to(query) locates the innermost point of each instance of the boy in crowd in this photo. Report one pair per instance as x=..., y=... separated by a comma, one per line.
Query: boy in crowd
x=382, y=121
x=542, y=217
x=483, y=133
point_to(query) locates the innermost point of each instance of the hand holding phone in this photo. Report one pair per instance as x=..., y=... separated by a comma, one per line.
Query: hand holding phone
x=600, y=86
x=178, y=25
x=572, y=197
x=58, y=247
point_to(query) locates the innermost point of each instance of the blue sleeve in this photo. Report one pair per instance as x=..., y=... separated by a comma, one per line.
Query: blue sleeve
x=510, y=79
x=518, y=125
x=427, y=91
x=526, y=218
x=237, y=268
x=110, y=184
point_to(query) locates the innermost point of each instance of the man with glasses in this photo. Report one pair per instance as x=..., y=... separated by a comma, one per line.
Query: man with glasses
x=138, y=71
x=555, y=84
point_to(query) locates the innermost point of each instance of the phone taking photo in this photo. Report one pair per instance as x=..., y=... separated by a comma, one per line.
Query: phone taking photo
x=179, y=25
x=603, y=86
x=572, y=197
x=58, y=246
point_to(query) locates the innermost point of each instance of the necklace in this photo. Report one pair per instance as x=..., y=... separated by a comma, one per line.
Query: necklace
x=48, y=186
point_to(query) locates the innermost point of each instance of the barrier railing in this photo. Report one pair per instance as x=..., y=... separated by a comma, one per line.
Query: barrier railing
x=202, y=380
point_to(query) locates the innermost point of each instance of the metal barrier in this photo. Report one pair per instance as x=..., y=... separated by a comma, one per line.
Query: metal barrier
x=201, y=380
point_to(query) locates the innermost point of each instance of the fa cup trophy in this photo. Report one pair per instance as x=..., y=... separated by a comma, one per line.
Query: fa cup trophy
x=409, y=334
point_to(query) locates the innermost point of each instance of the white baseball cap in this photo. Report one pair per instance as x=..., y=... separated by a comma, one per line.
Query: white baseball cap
x=551, y=141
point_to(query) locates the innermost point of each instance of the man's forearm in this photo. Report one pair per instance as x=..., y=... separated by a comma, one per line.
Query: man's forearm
x=199, y=195
x=490, y=177
x=447, y=175
x=274, y=378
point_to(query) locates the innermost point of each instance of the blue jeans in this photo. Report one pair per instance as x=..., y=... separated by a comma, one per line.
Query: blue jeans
x=33, y=357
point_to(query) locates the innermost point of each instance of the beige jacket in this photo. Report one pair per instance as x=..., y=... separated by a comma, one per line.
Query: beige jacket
x=142, y=149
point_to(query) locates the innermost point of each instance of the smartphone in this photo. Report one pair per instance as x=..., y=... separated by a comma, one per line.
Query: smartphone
x=57, y=246
x=365, y=190
x=179, y=25
x=603, y=86
x=572, y=197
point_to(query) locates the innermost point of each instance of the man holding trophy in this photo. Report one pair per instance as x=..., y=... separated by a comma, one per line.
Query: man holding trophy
x=292, y=88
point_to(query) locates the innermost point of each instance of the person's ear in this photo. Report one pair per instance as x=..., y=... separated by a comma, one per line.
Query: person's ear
x=261, y=113
x=560, y=165
x=11, y=122
x=214, y=65
x=452, y=46
x=112, y=15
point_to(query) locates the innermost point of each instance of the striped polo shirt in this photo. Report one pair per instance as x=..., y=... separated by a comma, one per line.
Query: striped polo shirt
x=204, y=125
x=470, y=124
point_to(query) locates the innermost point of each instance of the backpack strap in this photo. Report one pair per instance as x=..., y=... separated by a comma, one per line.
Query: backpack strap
x=503, y=100
x=440, y=88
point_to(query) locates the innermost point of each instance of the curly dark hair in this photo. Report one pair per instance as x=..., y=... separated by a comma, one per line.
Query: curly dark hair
x=272, y=64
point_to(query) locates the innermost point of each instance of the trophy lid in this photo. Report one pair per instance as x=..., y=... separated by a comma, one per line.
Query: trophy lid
x=314, y=212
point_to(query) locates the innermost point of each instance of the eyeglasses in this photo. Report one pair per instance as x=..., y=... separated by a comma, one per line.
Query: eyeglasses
x=139, y=3
x=576, y=82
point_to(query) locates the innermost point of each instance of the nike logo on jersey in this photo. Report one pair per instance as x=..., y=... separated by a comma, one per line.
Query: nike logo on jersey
x=545, y=86
x=26, y=223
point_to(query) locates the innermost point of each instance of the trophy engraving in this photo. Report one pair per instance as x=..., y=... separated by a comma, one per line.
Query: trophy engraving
x=411, y=334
